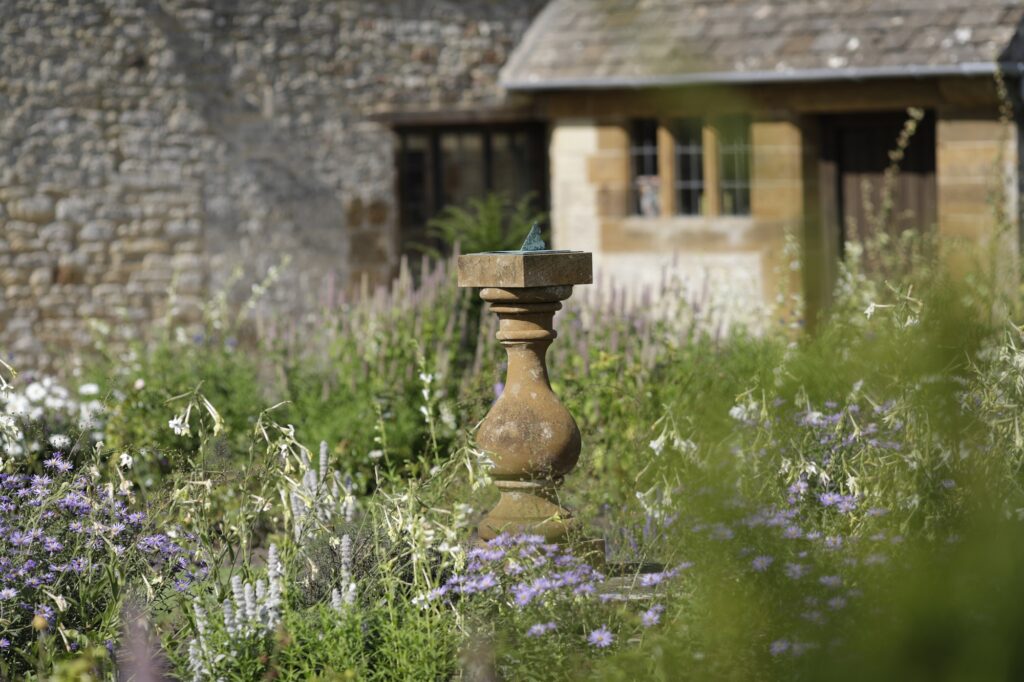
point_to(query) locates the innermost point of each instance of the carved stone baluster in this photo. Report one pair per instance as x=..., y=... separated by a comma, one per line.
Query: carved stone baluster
x=533, y=439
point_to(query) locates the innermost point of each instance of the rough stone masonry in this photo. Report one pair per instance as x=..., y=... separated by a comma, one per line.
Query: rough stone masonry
x=151, y=142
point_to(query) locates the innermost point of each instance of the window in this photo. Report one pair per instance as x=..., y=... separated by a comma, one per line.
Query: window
x=734, y=165
x=689, y=155
x=449, y=165
x=643, y=157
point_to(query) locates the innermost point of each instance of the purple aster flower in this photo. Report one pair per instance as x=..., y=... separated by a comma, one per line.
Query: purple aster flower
x=831, y=581
x=779, y=646
x=798, y=488
x=523, y=594
x=651, y=616
x=829, y=499
x=41, y=481
x=833, y=542
x=836, y=603
x=5, y=643
x=792, y=532
x=513, y=568
x=8, y=593
x=52, y=545
x=584, y=588
x=601, y=637
x=540, y=629
x=795, y=571
x=761, y=563
x=45, y=611
x=846, y=505
x=59, y=464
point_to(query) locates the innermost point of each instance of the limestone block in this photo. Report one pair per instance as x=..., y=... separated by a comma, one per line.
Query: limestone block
x=189, y=283
x=74, y=209
x=36, y=209
x=517, y=269
x=41, y=277
x=58, y=233
x=97, y=230
x=142, y=246
x=186, y=261
x=182, y=229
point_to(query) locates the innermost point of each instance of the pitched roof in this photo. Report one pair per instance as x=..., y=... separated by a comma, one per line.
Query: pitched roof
x=629, y=43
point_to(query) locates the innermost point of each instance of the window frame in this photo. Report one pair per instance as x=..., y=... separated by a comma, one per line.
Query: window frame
x=735, y=153
x=697, y=166
x=412, y=228
x=645, y=128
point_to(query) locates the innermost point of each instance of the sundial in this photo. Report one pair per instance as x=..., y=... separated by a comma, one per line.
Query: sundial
x=533, y=440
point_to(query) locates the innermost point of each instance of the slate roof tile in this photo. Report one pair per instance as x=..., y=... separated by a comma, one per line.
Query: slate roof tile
x=580, y=40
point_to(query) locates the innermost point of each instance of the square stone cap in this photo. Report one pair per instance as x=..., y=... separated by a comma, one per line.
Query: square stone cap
x=521, y=269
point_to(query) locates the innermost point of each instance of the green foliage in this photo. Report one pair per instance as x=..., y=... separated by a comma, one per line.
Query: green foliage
x=492, y=223
x=838, y=505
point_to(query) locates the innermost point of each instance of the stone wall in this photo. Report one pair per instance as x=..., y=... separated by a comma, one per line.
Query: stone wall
x=150, y=141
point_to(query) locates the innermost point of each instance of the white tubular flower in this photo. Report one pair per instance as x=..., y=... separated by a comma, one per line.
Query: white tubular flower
x=336, y=602
x=273, y=563
x=251, y=610
x=350, y=594
x=346, y=558
x=229, y=618
x=238, y=592
x=195, y=662
x=323, y=461
x=201, y=624
x=309, y=483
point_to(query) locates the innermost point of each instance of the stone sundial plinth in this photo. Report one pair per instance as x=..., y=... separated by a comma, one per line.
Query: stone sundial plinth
x=533, y=439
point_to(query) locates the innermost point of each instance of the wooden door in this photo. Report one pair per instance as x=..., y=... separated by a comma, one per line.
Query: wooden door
x=855, y=153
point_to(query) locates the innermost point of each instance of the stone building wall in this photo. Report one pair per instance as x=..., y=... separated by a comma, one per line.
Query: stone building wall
x=150, y=141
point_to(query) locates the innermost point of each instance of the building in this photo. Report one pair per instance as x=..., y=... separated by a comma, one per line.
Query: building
x=149, y=143
x=145, y=145
x=700, y=133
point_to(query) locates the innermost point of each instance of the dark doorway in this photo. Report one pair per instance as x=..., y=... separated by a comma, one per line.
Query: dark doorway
x=855, y=152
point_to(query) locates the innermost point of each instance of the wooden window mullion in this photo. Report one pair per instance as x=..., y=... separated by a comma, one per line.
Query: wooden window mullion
x=667, y=170
x=712, y=202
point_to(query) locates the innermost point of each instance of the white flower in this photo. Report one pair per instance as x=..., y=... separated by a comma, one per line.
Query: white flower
x=179, y=425
x=139, y=384
x=88, y=389
x=35, y=392
x=658, y=444
x=126, y=461
x=375, y=454
x=59, y=440
x=870, y=310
